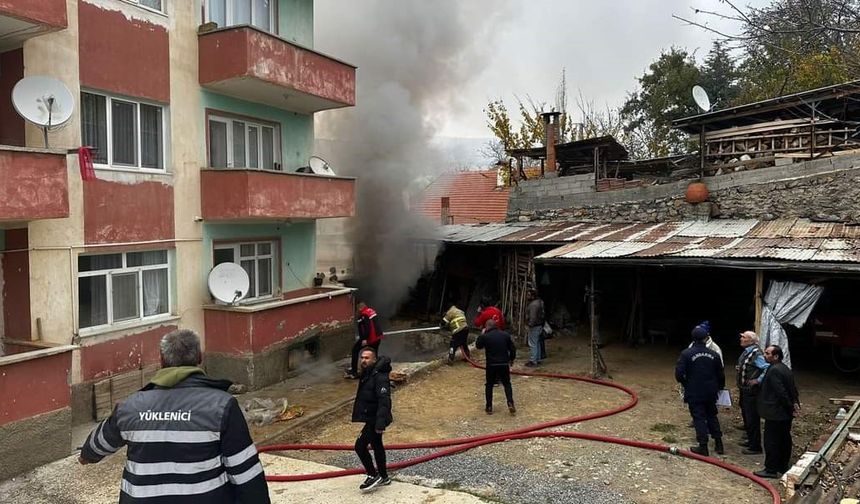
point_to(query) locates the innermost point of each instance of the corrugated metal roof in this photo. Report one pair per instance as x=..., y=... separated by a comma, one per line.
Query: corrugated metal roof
x=786, y=240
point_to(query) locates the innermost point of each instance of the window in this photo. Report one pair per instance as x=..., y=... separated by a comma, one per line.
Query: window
x=257, y=259
x=257, y=13
x=235, y=143
x=124, y=133
x=156, y=5
x=122, y=287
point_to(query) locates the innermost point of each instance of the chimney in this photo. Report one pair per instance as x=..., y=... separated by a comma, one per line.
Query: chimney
x=550, y=128
x=446, y=217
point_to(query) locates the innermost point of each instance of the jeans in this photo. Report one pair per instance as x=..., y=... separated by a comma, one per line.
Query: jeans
x=503, y=374
x=369, y=436
x=534, y=343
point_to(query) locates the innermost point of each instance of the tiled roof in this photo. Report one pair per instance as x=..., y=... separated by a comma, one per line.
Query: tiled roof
x=474, y=198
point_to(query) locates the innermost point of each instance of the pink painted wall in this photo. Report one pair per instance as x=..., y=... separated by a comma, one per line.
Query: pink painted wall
x=11, y=71
x=246, y=52
x=113, y=58
x=239, y=333
x=50, y=13
x=238, y=194
x=16, y=286
x=123, y=354
x=116, y=213
x=33, y=186
x=34, y=387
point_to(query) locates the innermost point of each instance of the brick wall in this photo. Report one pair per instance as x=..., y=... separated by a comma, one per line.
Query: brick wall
x=825, y=189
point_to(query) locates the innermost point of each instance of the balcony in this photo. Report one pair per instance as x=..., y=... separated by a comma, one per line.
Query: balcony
x=33, y=184
x=253, y=65
x=257, y=195
x=23, y=19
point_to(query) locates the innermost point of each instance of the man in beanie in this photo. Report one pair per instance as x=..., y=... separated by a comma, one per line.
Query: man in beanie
x=709, y=342
x=700, y=371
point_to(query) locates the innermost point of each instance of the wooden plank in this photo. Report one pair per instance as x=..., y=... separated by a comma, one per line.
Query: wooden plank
x=849, y=400
x=759, y=287
x=103, y=404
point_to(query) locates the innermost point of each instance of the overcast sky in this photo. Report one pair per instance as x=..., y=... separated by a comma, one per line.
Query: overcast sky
x=603, y=45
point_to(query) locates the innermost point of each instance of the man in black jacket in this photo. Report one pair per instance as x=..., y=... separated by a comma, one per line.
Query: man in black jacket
x=778, y=404
x=500, y=354
x=700, y=371
x=187, y=439
x=373, y=407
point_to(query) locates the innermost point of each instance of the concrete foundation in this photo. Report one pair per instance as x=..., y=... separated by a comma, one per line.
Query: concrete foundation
x=280, y=361
x=34, y=441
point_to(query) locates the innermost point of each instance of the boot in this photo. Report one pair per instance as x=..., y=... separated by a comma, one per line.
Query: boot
x=718, y=446
x=702, y=449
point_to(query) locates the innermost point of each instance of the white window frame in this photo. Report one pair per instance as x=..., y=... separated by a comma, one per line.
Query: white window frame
x=228, y=121
x=138, y=132
x=138, y=3
x=237, y=260
x=140, y=299
x=230, y=16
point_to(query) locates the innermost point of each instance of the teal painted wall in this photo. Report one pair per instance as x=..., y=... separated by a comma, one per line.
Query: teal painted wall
x=296, y=21
x=298, y=247
x=297, y=130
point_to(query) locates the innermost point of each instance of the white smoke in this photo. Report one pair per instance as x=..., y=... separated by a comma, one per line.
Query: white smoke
x=414, y=58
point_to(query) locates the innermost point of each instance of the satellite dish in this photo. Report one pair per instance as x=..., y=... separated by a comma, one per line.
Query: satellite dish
x=44, y=101
x=700, y=96
x=228, y=282
x=319, y=166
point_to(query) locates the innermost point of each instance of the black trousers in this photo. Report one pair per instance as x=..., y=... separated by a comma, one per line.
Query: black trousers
x=503, y=374
x=459, y=340
x=777, y=445
x=752, y=422
x=357, y=348
x=369, y=436
x=705, y=420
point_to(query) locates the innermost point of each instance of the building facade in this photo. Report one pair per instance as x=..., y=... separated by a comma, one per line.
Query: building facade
x=198, y=114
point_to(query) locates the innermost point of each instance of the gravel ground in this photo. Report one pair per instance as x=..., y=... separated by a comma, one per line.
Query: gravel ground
x=479, y=472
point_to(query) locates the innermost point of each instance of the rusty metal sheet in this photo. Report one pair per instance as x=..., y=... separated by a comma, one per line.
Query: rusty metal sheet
x=807, y=229
x=716, y=243
x=663, y=231
x=590, y=250
x=788, y=254
x=837, y=256
x=837, y=244
x=564, y=249
x=530, y=233
x=741, y=252
x=589, y=233
x=698, y=252
x=565, y=232
x=661, y=249
x=719, y=228
x=490, y=233
x=628, y=232
x=772, y=229
x=623, y=249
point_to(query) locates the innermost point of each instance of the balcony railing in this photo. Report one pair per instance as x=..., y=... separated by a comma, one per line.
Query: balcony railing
x=250, y=64
x=241, y=194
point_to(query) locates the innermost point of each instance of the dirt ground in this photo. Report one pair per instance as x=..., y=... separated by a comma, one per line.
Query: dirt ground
x=449, y=403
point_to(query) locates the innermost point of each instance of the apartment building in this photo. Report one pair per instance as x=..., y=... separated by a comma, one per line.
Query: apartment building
x=198, y=114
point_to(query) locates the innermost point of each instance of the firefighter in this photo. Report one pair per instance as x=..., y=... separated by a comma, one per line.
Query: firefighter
x=369, y=335
x=455, y=321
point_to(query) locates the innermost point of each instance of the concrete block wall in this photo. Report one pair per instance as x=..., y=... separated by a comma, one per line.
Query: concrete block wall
x=559, y=198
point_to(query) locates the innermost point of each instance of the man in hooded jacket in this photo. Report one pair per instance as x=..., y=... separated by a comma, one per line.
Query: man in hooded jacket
x=187, y=439
x=373, y=407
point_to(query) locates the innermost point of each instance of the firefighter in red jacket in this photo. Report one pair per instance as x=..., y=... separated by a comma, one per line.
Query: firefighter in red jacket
x=369, y=335
x=489, y=311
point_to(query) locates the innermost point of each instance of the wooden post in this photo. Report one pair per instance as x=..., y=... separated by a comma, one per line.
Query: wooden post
x=593, y=324
x=759, y=285
x=702, y=152
x=596, y=174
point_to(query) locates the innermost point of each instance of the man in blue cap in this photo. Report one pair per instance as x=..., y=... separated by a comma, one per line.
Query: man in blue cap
x=700, y=371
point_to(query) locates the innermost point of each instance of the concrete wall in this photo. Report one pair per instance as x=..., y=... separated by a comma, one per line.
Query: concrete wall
x=29, y=443
x=824, y=189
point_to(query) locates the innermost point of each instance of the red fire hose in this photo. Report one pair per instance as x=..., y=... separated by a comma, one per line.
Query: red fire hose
x=459, y=445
